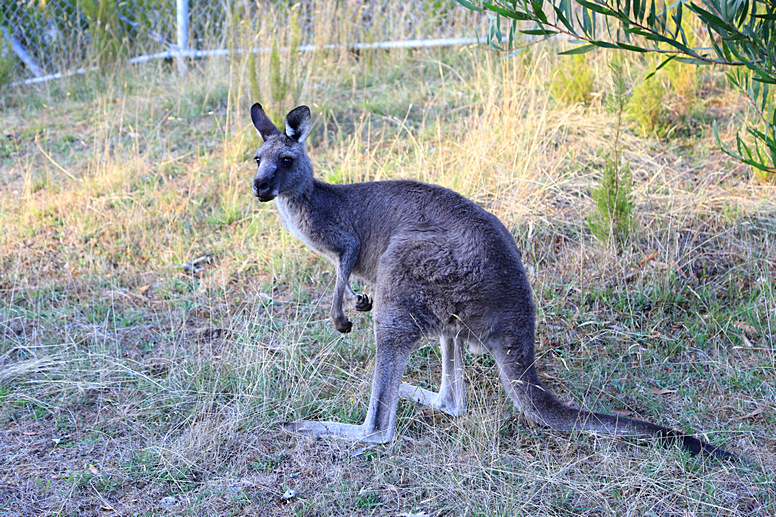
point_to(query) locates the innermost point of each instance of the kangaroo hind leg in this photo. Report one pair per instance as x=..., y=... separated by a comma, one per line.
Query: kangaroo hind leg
x=451, y=397
x=393, y=348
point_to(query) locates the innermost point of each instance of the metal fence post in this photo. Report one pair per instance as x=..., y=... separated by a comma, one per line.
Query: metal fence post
x=22, y=54
x=183, y=33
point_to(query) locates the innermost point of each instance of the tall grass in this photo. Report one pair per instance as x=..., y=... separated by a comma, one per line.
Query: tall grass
x=131, y=383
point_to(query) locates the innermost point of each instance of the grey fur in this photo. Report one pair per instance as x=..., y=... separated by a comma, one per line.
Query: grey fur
x=440, y=266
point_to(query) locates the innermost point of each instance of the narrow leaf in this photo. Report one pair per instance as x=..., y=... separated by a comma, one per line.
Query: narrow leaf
x=587, y=24
x=639, y=9
x=684, y=48
x=713, y=21
x=722, y=146
x=566, y=7
x=678, y=21
x=561, y=16
x=764, y=79
x=661, y=65
x=515, y=15
x=632, y=48
x=651, y=18
x=469, y=5
x=663, y=19
x=692, y=61
x=538, y=12
x=603, y=44
x=538, y=32
x=597, y=8
x=582, y=49
x=664, y=63
x=513, y=54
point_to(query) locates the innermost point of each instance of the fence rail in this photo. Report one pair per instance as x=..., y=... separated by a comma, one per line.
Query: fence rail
x=44, y=39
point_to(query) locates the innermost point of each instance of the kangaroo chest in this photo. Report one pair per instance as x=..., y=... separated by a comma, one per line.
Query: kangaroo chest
x=294, y=222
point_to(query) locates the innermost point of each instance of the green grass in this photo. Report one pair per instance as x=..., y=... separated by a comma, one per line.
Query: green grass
x=171, y=383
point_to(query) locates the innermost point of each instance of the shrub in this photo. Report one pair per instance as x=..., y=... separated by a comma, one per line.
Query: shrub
x=648, y=107
x=573, y=82
x=612, y=219
x=7, y=62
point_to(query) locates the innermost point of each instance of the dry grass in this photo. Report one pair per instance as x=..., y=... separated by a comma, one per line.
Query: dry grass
x=129, y=386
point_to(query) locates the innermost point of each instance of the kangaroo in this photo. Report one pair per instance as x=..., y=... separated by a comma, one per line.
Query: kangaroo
x=440, y=266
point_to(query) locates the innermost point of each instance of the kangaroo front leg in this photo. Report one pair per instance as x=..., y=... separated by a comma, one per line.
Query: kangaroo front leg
x=347, y=260
x=378, y=427
x=451, y=398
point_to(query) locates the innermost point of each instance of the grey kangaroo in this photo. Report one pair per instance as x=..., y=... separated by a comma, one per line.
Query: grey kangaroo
x=440, y=266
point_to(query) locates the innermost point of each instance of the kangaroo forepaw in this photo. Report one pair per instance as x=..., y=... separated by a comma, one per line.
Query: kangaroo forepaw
x=363, y=303
x=343, y=325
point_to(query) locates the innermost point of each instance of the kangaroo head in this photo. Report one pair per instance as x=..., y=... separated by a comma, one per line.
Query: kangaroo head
x=284, y=168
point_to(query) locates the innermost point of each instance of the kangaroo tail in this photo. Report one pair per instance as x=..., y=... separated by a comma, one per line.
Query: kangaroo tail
x=540, y=405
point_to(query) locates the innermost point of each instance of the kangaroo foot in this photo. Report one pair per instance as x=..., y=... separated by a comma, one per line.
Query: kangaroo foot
x=431, y=399
x=350, y=432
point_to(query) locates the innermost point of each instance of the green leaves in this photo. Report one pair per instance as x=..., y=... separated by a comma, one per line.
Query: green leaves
x=761, y=155
x=743, y=34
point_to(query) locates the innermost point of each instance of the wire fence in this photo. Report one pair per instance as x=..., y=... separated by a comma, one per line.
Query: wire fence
x=42, y=39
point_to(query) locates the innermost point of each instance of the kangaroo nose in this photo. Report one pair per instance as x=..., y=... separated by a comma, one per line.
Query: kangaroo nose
x=263, y=190
x=260, y=187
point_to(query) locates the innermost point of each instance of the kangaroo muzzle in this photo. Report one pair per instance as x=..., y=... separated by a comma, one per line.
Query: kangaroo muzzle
x=263, y=190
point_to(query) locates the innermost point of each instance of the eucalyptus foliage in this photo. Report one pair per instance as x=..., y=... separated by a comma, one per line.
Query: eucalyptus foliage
x=741, y=34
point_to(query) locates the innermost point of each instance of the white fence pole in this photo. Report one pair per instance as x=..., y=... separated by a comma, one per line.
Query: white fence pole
x=183, y=33
x=22, y=54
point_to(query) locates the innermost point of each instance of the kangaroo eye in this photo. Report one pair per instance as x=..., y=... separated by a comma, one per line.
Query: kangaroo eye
x=287, y=160
x=258, y=160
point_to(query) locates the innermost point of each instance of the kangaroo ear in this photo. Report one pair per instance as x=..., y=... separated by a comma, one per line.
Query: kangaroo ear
x=298, y=123
x=262, y=123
